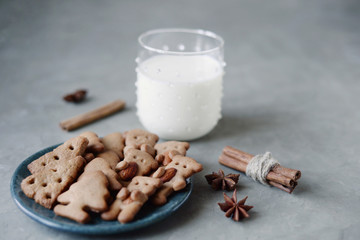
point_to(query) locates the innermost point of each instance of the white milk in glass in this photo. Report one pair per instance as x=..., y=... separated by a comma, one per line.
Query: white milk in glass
x=179, y=97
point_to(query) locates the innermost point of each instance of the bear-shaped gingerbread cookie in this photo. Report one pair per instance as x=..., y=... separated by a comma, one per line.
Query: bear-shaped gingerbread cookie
x=141, y=139
x=144, y=161
x=174, y=176
x=100, y=164
x=95, y=145
x=130, y=199
x=180, y=147
x=167, y=150
x=114, y=142
x=111, y=157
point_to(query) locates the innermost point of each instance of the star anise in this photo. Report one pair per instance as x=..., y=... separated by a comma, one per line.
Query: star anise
x=220, y=181
x=237, y=209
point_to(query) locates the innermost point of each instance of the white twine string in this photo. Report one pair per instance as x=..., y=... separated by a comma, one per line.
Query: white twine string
x=259, y=167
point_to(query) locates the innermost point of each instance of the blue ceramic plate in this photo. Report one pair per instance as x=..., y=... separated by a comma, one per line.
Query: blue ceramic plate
x=148, y=214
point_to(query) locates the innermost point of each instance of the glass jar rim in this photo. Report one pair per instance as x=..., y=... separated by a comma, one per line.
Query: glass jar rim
x=200, y=32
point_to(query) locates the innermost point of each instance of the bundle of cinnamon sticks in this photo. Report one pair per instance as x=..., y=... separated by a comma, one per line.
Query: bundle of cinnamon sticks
x=279, y=177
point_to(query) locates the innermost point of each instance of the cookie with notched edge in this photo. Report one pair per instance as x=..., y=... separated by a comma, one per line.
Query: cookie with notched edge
x=70, y=149
x=46, y=185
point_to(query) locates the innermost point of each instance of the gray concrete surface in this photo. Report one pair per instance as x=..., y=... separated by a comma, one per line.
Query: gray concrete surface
x=291, y=87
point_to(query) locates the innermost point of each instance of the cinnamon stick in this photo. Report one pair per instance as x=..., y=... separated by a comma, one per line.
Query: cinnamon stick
x=279, y=177
x=91, y=116
x=232, y=163
x=246, y=157
x=281, y=187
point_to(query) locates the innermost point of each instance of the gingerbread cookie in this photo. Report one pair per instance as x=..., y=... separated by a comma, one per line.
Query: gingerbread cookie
x=145, y=162
x=88, y=193
x=166, y=157
x=130, y=199
x=147, y=185
x=111, y=157
x=46, y=185
x=141, y=139
x=180, y=147
x=126, y=206
x=95, y=145
x=149, y=149
x=137, y=137
x=100, y=164
x=70, y=149
x=184, y=167
x=167, y=150
x=114, y=142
